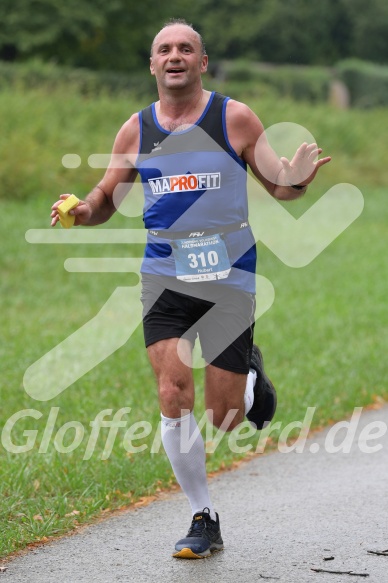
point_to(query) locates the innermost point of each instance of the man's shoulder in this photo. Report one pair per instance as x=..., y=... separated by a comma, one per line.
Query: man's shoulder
x=240, y=115
x=132, y=125
x=239, y=109
x=128, y=135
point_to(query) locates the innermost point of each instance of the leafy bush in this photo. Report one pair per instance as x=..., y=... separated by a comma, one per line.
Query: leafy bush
x=35, y=74
x=301, y=83
x=367, y=82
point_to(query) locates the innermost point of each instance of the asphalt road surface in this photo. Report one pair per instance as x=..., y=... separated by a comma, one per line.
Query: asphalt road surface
x=282, y=515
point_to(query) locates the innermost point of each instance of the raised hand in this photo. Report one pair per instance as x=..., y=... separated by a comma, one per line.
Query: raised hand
x=303, y=166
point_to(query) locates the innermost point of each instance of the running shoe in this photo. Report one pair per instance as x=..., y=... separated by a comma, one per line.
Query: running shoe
x=264, y=402
x=203, y=538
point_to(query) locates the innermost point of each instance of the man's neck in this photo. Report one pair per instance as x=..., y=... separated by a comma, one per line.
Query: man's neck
x=176, y=105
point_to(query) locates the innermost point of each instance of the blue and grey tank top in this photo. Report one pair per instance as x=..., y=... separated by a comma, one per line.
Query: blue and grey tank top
x=194, y=181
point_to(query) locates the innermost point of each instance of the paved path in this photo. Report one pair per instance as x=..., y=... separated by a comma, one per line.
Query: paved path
x=281, y=514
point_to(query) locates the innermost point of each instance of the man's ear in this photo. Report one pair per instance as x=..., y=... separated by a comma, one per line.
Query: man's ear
x=204, y=63
x=152, y=67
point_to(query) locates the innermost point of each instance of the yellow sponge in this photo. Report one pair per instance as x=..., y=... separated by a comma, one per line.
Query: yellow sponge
x=65, y=219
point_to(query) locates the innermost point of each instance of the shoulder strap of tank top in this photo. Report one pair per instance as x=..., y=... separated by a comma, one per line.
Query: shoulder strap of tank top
x=213, y=122
x=151, y=136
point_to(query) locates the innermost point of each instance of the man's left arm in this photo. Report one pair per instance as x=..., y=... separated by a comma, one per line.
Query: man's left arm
x=283, y=179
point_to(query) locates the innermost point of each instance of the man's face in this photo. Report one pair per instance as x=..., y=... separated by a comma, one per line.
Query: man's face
x=177, y=60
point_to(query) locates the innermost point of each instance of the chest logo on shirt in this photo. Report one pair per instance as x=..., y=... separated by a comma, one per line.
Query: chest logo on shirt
x=185, y=183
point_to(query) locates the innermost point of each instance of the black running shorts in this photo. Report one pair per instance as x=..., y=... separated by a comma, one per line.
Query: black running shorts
x=222, y=317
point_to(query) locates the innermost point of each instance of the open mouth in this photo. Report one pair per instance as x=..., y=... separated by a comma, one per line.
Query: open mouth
x=175, y=71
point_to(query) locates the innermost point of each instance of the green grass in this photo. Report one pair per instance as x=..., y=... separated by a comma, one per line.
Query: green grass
x=324, y=339
x=39, y=128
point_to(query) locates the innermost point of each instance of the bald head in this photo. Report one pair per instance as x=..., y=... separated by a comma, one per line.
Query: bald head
x=183, y=26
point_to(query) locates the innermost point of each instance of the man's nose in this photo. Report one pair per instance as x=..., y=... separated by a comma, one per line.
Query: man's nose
x=174, y=54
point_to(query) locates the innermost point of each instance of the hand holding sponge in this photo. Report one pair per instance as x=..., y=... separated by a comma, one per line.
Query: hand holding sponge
x=67, y=205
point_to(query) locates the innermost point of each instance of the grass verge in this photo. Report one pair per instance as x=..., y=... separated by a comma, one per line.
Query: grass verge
x=324, y=341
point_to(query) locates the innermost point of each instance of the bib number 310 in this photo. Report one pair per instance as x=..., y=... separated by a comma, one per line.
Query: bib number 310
x=201, y=259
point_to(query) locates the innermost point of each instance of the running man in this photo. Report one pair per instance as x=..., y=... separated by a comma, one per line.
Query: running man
x=191, y=149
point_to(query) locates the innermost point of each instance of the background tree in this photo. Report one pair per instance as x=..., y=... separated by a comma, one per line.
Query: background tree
x=369, y=29
x=116, y=35
x=48, y=28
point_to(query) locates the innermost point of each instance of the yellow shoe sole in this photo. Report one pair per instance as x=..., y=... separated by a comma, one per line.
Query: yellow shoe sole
x=187, y=553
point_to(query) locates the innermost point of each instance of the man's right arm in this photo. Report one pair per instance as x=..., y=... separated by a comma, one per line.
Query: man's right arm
x=100, y=204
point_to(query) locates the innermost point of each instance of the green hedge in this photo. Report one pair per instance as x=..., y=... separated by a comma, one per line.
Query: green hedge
x=239, y=78
x=35, y=74
x=298, y=82
x=367, y=82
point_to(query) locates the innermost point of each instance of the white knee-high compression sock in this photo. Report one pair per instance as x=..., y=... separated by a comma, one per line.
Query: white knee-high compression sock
x=186, y=453
x=248, y=395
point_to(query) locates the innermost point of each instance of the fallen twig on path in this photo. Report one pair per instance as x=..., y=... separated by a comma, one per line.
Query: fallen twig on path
x=340, y=572
x=381, y=553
